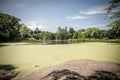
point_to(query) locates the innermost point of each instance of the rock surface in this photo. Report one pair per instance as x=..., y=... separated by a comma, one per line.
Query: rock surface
x=78, y=70
x=8, y=75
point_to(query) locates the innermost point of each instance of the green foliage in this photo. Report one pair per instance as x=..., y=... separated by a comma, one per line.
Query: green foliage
x=93, y=32
x=81, y=33
x=44, y=35
x=71, y=32
x=114, y=32
x=75, y=35
x=36, y=31
x=92, y=40
x=12, y=30
x=62, y=34
x=116, y=15
x=31, y=40
x=25, y=32
x=113, y=4
x=9, y=27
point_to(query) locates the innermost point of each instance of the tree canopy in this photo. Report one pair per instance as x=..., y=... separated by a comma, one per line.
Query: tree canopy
x=114, y=32
x=9, y=27
x=12, y=30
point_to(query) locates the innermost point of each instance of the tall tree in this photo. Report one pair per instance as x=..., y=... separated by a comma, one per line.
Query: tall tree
x=62, y=34
x=71, y=32
x=75, y=35
x=25, y=32
x=115, y=25
x=80, y=33
x=9, y=27
x=36, y=31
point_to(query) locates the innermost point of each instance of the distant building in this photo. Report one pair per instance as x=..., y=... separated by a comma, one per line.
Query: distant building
x=59, y=29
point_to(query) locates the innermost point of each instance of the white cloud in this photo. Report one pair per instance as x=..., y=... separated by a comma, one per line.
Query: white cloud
x=94, y=10
x=76, y=17
x=20, y=5
x=98, y=25
x=84, y=26
x=97, y=10
x=75, y=25
x=34, y=24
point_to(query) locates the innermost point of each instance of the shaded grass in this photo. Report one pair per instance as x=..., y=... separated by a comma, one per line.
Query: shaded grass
x=7, y=67
x=7, y=72
x=26, y=57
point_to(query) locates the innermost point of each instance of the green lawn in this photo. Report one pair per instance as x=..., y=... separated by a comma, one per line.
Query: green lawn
x=27, y=56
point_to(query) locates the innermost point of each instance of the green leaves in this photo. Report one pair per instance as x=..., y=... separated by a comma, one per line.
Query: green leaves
x=8, y=27
x=112, y=4
x=114, y=32
x=116, y=15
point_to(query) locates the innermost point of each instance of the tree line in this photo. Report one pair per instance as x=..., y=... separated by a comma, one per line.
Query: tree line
x=12, y=30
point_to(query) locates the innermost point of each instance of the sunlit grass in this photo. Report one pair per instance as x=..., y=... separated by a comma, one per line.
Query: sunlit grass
x=26, y=57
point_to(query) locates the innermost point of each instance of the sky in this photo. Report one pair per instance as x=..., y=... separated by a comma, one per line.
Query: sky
x=49, y=14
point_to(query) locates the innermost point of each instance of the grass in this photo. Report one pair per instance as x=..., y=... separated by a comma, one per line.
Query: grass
x=30, y=57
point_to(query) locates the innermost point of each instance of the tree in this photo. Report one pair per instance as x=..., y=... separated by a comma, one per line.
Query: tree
x=75, y=35
x=48, y=35
x=44, y=35
x=25, y=32
x=113, y=4
x=71, y=32
x=9, y=27
x=36, y=31
x=115, y=25
x=93, y=32
x=80, y=33
x=62, y=34
x=103, y=34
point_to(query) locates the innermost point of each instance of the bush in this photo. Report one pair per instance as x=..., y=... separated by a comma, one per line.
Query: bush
x=93, y=40
x=31, y=40
x=54, y=42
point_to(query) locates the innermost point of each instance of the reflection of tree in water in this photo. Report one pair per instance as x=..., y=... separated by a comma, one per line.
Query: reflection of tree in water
x=71, y=75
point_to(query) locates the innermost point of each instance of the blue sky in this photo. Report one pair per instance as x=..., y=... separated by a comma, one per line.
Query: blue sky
x=50, y=14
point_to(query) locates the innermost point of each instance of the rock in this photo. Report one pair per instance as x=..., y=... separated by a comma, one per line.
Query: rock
x=8, y=75
x=78, y=70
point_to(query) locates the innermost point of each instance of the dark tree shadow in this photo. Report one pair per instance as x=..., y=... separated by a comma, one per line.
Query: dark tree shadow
x=7, y=72
x=64, y=75
x=103, y=75
x=8, y=75
x=71, y=75
x=3, y=45
x=7, y=67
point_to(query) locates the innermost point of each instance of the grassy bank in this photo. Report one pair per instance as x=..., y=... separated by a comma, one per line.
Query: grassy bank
x=93, y=40
x=72, y=41
x=29, y=57
x=69, y=41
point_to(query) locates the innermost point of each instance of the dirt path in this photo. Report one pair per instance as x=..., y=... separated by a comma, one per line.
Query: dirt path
x=78, y=70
